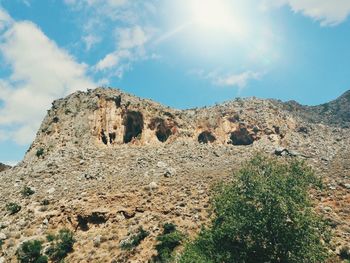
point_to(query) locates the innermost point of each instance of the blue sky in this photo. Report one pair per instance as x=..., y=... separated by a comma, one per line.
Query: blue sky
x=182, y=53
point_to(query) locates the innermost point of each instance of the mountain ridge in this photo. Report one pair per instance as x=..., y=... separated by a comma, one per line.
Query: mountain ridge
x=107, y=163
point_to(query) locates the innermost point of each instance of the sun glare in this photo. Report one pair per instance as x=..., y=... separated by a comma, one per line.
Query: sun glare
x=216, y=15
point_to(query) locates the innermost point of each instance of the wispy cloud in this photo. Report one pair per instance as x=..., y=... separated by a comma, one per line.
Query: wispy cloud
x=130, y=48
x=37, y=77
x=239, y=80
x=327, y=12
x=5, y=19
x=91, y=40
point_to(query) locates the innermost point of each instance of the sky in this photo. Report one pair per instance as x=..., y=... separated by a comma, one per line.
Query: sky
x=182, y=53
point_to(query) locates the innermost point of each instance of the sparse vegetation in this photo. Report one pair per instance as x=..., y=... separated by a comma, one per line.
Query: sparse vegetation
x=61, y=245
x=13, y=208
x=167, y=242
x=264, y=215
x=135, y=240
x=40, y=152
x=27, y=191
x=30, y=252
x=344, y=253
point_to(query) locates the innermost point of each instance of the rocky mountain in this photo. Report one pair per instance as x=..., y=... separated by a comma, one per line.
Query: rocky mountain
x=105, y=163
x=335, y=113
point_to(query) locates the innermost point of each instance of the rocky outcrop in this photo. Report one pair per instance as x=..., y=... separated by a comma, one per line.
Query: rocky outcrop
x=4, y=167
x=335, y=113
x=105, y=163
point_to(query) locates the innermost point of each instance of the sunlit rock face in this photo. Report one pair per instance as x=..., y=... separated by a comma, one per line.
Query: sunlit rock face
x=105, y=163
x=110, y=118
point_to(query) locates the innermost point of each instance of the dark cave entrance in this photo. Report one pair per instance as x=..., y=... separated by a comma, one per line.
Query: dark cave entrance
x=241, y=137
x=206, y=137
x=112, y=137
x=133, y=122
x=104, y=137
x=163, y=131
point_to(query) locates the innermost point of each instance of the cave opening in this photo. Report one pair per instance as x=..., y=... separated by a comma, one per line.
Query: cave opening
x=241, y=137
x=112, y=137
x=206, y=137
x=133, y=122
x=104, y=137
x=163, y=131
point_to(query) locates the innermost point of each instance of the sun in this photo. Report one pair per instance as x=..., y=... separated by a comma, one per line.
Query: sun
x=216, y=15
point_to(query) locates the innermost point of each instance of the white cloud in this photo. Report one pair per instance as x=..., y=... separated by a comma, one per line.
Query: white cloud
x=239, y=80
x=217, y=78
x=5, y=19
x=112, y=60
x=91, y=40
x=131, y=40
x=131, y=37
x=327, y=12
x=41, y=72
x=130, y=48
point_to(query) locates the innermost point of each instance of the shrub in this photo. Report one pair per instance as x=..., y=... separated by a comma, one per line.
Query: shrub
x=61, y=245
x=27, y=191
x=30, y=252
x=13, y=208
x=264, y=215
x=135, y=240
x=40, y=152
x=167, y=242
x=344, y=252
x=50, y=237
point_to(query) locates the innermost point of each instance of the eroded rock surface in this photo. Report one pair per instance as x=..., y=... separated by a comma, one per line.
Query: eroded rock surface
x=110, y=162
x=4, y=167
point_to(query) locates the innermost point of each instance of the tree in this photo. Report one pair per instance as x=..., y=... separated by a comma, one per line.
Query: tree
x=264, y=214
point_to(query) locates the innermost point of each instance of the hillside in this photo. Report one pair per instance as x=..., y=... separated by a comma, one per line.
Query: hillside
x=106, y=163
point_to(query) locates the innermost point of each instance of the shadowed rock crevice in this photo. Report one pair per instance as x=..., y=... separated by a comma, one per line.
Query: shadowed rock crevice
x=133, y=122
x=112, y=137
x=206, y=137
x=104, y=137
x=241, y=137
x=163, y=131
x=94, y=218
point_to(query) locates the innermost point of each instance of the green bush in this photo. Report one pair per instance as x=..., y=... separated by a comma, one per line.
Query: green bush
x=344, y=252
x=30, y=252
x=40, y=152
x=264, y=215
x=13, y=208
x=61, y=245
x=135, y=240
x=167, y=242
x=27, y=191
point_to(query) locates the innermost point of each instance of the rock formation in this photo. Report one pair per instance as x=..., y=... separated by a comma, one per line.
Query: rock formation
x=4, y=167
x=105, y=163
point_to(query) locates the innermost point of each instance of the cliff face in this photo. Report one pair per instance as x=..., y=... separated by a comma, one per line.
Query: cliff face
x=106, y=163
x=110, y=118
